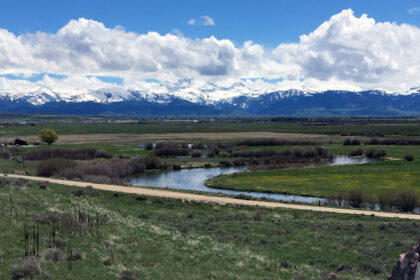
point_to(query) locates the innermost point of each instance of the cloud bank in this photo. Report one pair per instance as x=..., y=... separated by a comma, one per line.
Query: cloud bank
x=343, y=52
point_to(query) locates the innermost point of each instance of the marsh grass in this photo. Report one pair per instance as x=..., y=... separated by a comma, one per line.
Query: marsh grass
x=332, y=181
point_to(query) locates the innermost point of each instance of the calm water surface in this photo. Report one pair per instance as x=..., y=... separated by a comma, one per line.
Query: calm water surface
x=194, y=179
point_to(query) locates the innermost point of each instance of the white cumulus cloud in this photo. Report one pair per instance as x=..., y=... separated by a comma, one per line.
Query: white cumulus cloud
x=343, y=52
x=208, y=20
x=357, y=50
x=87, y=47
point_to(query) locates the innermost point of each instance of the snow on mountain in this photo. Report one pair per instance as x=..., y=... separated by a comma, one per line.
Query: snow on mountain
x=237, y=93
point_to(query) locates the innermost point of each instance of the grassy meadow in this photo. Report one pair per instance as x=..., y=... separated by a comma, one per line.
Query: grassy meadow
x=20, y=126
x=390, y=174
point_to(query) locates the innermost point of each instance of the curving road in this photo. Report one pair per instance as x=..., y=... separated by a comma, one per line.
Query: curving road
x=213, y=199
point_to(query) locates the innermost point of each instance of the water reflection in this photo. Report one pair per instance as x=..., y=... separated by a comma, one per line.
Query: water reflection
x=194, y=180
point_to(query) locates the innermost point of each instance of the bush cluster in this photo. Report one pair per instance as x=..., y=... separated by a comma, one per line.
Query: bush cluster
x=356, y=152
x=196, y=154
x=29, y=268
x=349, y=141
x=397, y=141
x=403, y=200
x=269, y=159
x=50, y=167
x=5, y=153
x=74, y=154
x=113, y=168
x=170, y=151
x=99, y=170
x=355, y=198
x=375, y=153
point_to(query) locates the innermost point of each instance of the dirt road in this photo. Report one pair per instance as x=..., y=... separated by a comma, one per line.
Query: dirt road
x=214, y=199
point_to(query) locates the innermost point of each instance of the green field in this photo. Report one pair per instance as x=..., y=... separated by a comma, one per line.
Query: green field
x=11, y=166
x=374, y=178
x=170, y=239
x=395, y=127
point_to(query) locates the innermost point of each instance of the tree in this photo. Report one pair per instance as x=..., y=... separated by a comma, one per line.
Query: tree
x=48, y=136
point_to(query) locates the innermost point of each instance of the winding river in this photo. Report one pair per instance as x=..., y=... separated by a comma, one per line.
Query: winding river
x=194, y=180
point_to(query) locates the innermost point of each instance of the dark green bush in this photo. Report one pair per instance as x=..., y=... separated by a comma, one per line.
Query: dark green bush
x=49, y=167
x=375, y=153
x=356, y=152
x=409, y=157
x=349, y=141
x=196, y=154
x=152, y=162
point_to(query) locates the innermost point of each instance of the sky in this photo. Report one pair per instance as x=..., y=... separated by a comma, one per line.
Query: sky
x=76, y=45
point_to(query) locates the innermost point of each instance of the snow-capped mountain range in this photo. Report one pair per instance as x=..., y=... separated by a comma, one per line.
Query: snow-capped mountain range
x=186, y=98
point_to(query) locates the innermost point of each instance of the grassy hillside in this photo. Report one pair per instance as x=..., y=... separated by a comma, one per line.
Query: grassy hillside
x=115, y=236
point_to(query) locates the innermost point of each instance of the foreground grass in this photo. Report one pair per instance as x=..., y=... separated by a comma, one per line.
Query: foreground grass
x=171, y=239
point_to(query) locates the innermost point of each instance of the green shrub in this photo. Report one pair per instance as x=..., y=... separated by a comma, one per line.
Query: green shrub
x=375, y=153
x=29, y=268
x=49, y=167
x=127, y=275
x=152, y=162
x=52, y=255
x=356, y=152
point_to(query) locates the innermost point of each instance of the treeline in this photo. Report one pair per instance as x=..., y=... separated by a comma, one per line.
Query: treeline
x=375, y=141
x=106, y=171
x=368, y=134
x=72, y=154
x=269, y=159
x=170, y=151
x=213, y=149
x=274, y=142
x=296, y=152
